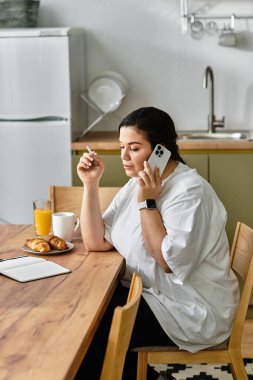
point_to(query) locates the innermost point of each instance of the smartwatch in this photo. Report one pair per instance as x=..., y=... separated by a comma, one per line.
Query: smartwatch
x=148, y=203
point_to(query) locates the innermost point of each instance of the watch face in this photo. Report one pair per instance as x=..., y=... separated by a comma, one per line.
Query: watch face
x=151, y=203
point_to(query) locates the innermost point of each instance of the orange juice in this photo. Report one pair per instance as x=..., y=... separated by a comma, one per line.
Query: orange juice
x=42, y=221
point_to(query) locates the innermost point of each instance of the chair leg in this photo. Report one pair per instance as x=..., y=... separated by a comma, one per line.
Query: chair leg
x=237, y=366
x=142, y=366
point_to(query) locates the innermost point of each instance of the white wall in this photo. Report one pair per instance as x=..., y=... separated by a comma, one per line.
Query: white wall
x=142, y=40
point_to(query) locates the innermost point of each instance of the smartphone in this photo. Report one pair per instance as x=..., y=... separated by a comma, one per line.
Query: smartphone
x=159, y=157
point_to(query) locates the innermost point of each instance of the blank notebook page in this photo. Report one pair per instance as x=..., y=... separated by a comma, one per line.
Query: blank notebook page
x=30, y=268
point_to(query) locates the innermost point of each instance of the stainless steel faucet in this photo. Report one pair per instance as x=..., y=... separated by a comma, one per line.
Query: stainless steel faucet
x=212, y=122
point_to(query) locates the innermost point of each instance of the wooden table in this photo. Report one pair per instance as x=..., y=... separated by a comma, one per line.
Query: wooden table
x=46, y=326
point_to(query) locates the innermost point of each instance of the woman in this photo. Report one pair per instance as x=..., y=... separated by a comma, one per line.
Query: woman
x=179, y=248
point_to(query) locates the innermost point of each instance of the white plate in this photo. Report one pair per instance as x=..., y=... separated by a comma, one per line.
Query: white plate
x=51, y=252
x=107, y=92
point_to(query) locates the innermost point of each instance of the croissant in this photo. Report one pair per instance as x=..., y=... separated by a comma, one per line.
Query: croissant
x=57, y=243
x=38, y=245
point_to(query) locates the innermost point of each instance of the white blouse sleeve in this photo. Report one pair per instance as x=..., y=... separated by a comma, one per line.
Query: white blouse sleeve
x=188, y=221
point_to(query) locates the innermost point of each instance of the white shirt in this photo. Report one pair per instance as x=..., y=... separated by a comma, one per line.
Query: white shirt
x=195, y=304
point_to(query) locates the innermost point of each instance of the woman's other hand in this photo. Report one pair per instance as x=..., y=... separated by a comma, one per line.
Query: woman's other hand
x=150, y=184
x=90, y=168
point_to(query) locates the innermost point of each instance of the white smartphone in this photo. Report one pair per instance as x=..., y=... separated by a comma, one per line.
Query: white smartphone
x=159, y=157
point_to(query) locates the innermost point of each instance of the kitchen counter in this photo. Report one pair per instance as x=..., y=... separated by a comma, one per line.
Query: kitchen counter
x=108, y=141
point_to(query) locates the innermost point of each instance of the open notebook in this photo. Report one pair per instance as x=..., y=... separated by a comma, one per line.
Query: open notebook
x=26, y=268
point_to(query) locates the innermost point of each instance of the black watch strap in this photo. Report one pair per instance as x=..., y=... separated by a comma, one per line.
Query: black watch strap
x=148, y=203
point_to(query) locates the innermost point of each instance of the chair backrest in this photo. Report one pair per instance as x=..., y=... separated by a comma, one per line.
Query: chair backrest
x=69, y=198
x=242, y=264
x=120, y=332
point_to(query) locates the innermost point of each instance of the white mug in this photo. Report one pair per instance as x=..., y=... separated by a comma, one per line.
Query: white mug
x=65, y=224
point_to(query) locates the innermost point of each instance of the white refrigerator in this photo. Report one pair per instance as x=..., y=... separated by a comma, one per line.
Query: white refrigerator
x=42, y=77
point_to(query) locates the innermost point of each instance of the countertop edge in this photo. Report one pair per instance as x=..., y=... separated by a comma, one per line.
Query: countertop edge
x=108, y=141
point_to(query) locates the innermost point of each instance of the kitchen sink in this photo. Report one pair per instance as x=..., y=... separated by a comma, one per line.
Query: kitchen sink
x=226, y=135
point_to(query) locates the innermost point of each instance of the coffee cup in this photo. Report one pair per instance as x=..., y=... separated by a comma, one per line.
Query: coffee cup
x=65, y=224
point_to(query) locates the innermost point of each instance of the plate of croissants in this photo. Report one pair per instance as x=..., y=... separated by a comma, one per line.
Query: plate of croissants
x=49, y=246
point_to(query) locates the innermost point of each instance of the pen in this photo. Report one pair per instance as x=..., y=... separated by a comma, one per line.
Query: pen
x=12, y=258
x=90, y=151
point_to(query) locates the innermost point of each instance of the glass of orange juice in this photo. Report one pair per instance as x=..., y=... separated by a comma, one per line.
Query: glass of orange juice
x=42, y=216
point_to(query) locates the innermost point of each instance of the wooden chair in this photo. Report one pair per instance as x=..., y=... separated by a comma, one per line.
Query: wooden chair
x=120, y=332
x=247, y=339
x=229, y=351
x=69, y=198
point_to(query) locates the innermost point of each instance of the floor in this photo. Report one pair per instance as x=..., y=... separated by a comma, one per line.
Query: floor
x=204, y=371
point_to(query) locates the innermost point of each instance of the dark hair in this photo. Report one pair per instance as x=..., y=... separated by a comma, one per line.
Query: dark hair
x=157, y=126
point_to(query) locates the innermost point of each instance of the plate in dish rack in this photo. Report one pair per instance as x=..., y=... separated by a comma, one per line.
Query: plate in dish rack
x=107, y=91
x=51, y=252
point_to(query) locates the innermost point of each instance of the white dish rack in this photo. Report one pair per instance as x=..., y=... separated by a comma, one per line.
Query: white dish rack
x=105, y=95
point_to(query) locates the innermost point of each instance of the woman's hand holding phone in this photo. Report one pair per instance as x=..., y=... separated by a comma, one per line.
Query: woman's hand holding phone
x=149, y=179
x=150, y=183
